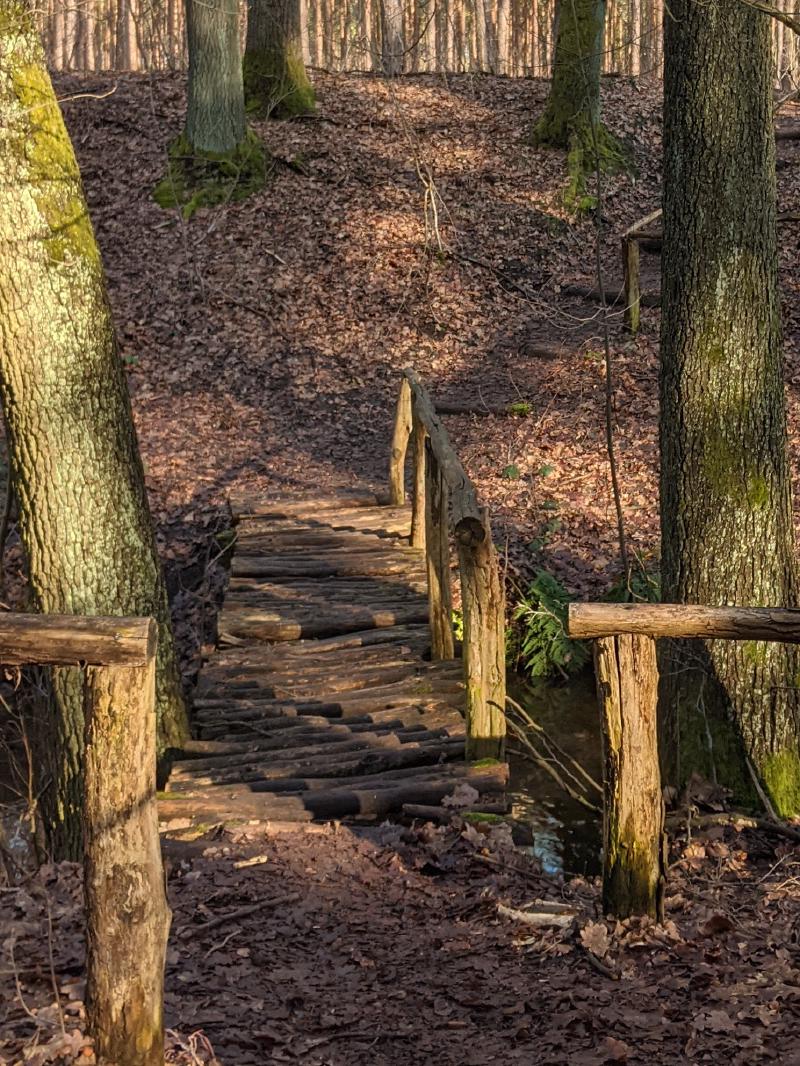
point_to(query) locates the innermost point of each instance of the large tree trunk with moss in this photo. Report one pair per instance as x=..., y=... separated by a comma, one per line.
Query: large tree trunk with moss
x=725, y=493
x=76, y=471
x=216, y=159
x=275, y=79
x=574, y=100
x=571, y=118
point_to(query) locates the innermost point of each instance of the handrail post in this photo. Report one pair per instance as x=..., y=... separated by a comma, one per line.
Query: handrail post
x=437, y=555
x=397, y=456
x=127, y=915
x=419, y=434
x=483, y=605
x=633, y=808
x=631, y=290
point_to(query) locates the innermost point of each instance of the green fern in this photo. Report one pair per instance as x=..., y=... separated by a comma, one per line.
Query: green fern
x=540, y=643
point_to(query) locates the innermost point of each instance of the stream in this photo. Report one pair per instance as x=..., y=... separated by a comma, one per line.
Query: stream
x=567, y=836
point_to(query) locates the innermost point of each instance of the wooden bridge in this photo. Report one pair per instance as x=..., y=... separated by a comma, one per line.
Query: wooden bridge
x=336, y=690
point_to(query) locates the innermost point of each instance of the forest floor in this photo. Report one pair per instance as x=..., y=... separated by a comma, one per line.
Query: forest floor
x=264, y=343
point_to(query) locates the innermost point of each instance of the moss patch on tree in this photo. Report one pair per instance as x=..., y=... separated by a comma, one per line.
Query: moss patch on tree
x=197, y=179
x=781, y=776
x=276, y=84
x=590, y=146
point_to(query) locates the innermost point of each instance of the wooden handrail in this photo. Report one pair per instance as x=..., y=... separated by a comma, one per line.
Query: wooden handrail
x=444, y=500
x=626, y=669
x=685, y=620
x=71, y=640
x=127, y=915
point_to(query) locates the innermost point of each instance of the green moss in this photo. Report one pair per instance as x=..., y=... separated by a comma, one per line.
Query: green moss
x=202, y=179
x=54, y=175
x=755, y=651
x=757, y=491
x=589, y=149
x=730, y=472
x=486, y=762
x=781, y=776
x=479, y=817
x=276, y=84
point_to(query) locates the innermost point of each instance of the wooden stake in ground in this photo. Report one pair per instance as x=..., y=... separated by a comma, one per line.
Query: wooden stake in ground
x=127, y=917
x=633, y=819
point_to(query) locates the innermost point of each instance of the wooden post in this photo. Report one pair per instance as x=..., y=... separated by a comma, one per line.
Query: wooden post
x=127, y=916
x=437, y=555
x=633, y=813
x=630, y=268
x=418, y=494
x=397, y=457
x=483, y=604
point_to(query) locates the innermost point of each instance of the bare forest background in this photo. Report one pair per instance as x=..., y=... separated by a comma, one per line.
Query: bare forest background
x=513, y=37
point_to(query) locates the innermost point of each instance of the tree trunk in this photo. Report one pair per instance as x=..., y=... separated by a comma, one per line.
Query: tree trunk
x=392, y=42
x=275, y=79
x=77, y=475
x=574, y=100
x=215, y=118
x=726, y=513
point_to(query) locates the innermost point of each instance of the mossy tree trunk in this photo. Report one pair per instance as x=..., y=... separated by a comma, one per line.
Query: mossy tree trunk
x=275, y=80
x=574, y=100
x=216, y=159
x=571, y=118
x=76, y=471
x=725, y=492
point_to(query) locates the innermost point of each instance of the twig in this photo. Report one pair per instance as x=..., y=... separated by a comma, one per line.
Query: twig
x=243, y=912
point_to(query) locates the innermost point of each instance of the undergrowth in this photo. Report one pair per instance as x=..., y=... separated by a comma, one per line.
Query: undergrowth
x=197, y=179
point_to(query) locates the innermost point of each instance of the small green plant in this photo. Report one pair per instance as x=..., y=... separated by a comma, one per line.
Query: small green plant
x=458, y=624
x=545, y=532
x=511, y=472
x=545, y=471
x=539, y=642
x=521, y=409
x=642, y=586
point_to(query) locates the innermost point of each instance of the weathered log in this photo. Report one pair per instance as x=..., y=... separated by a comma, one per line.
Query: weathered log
x=612, y=295
x=633, y=819
x=417, y=537
x=67, y=640
x=299, y=773
x=245, y=504
x=397, y=456
x=127, y=917
x=231, y=804
x=330, y=566
x=483, y=603
x=252, y=623
x=437, y=554
x=512, y=409
x=466, y=515
x=685, y=620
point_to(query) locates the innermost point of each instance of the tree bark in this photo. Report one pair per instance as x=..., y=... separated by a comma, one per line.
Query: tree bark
x=75, y=465
x=574, y=100
x=275, y=80
x=215, y=113
x=392, y=39
x=726, y=516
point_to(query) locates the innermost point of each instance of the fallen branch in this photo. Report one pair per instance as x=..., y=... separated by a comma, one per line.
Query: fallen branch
x=737, y=821
x=242, y=912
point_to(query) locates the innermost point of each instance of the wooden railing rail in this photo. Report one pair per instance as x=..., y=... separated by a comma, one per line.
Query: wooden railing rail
x=444, y=500
x=627, y=686
x=127, y=916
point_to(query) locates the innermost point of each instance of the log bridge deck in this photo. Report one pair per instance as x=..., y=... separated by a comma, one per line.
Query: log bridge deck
x=335, y=691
